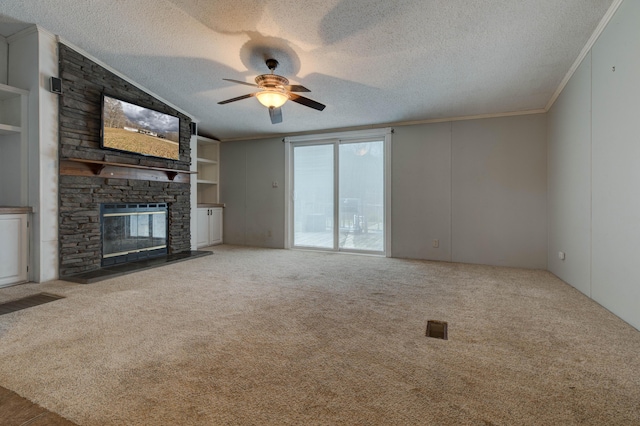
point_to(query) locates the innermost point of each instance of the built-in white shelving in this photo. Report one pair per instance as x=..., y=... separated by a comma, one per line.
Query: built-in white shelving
x=208, y=156
x=13, y=185
x=209, y=211
x=13, y=146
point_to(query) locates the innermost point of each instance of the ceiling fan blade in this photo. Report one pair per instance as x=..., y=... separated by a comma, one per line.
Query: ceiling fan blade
x=236, y=99
x=296, y=88
x=276, y=115
x=240, y=82
x=306, y=102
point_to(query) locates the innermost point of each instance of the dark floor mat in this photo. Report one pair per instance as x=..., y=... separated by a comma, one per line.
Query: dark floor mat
x=27, y=302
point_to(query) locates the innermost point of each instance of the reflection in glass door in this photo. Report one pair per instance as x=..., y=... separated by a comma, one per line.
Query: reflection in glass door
x=313, y=208
x=361, y=204
x=339, y=195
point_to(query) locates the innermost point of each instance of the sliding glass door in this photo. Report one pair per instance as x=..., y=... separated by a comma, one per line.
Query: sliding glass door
x=339, y=195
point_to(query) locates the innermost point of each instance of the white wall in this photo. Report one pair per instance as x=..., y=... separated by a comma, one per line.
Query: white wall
x=32, y=60
x=48, y=142
x=610, y=171
x=490, y=207
x=616, y=165
x=569, y=192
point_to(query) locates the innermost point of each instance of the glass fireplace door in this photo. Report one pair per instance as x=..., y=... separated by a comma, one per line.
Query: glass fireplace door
x=133, y=232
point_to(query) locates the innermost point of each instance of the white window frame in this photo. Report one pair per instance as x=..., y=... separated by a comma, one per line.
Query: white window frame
x=384, y=134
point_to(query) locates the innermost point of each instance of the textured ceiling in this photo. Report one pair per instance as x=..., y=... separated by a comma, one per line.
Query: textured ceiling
x=370, y=61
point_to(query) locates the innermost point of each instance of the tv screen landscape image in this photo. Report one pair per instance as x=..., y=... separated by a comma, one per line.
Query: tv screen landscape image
x=132, y=128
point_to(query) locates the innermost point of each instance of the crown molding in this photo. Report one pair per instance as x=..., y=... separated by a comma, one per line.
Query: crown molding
x=47, y=33
x=471, y=117
x=389, y=125
x=585, y=50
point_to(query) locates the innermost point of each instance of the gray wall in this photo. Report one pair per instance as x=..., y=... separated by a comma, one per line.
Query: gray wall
x=600, y=180
x=499, y=191
x=478, y=186
x=254, y=213
x=4, y=52
x=421, y=191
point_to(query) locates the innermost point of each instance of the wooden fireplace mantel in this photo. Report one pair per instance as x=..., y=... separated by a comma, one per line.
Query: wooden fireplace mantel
x=109, y=169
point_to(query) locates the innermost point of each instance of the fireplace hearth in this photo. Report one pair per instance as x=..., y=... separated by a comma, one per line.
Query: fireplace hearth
x=132, y=232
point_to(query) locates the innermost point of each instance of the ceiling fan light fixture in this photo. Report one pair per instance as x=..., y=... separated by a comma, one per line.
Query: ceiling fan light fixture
x=274, y=91
x=272, y=98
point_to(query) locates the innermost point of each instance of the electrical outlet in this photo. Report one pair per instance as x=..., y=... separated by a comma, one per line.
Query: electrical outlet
x=274, y=184
x=436, y=243
x=561, y=255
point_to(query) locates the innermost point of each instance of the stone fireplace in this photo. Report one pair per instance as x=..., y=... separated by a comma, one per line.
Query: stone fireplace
x=96, y=184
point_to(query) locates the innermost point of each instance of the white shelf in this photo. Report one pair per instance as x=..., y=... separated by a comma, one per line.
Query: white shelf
x=207, y=161
x=7, y=129
x=11, y=108
x=207, y=182
x=8, y=92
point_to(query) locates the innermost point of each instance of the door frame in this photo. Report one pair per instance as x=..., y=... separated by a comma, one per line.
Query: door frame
x=384, y=134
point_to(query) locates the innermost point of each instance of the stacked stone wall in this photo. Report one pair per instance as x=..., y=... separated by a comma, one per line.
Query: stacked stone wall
x=83, y=83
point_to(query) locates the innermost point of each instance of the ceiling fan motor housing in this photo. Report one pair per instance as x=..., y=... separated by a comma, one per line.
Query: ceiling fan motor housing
x=271, y=81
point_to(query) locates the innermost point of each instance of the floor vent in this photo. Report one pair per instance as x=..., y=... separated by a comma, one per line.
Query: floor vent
x=437, y=329
x=27, y=302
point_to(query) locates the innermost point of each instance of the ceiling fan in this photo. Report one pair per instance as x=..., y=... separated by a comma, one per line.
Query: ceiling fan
x=274, y=92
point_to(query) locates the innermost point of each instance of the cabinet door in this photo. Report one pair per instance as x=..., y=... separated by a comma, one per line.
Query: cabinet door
x=202, y=233
x=13, y=249
x=215, y=233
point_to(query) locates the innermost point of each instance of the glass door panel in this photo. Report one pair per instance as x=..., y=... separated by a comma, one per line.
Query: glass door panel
x=313, y=185
x=361, y=196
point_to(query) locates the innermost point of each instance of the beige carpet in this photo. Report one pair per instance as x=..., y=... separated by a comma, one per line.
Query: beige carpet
x=275, y=337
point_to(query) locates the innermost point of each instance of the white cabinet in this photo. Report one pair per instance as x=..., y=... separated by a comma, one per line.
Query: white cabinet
x=13, y=248
x=209, y=226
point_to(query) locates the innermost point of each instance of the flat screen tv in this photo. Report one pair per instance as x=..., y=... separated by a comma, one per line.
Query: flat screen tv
x=132, y=128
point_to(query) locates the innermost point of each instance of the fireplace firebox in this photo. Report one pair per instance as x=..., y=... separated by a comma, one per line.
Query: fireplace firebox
x=133, y=232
